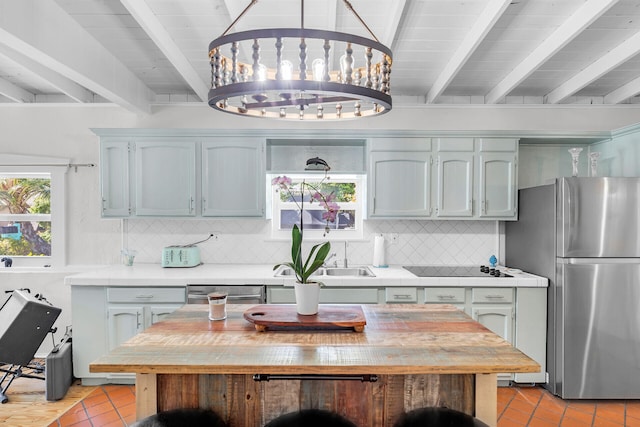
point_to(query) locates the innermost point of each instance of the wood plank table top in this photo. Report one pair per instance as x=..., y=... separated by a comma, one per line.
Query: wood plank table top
x=399, y=339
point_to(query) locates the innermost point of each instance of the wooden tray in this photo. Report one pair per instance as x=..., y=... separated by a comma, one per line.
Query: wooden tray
x=284, y=316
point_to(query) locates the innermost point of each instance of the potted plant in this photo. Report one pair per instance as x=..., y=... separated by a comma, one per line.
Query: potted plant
x=307, y=291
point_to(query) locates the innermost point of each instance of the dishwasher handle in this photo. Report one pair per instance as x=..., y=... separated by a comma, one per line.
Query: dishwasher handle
x=198, y=298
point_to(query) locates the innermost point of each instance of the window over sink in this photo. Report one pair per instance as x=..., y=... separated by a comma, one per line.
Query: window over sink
x=285, y=210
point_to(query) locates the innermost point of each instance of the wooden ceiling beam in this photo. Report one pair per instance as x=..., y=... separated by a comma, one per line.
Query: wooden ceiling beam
x=475, y=36
x=145, y=17
x=63, y=84
x=607, y=62
x=45, y=33
x=571, y=28
x=623, y=92
x=15, y=93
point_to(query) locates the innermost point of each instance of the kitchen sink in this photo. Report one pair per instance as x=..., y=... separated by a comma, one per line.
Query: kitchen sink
x=354, y=271
x=331, y=271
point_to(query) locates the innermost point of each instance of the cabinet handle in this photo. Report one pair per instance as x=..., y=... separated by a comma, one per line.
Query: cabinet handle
x=403, y=296
x=447, y=297
x=144, y=296
x=494, y=296
x=138, y=320
x=191, y=201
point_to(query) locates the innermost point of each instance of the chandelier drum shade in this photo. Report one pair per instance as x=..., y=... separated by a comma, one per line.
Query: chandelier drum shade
x=299, y=73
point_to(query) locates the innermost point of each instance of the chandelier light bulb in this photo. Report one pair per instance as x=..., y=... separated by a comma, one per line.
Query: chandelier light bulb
x=262, y=73
x=318, y=69
x=287, y=69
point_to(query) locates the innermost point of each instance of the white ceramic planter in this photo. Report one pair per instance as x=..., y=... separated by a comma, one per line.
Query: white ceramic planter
x=307, y=298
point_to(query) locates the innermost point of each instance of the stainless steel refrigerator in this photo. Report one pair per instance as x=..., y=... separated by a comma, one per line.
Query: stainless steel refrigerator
x=583, y=234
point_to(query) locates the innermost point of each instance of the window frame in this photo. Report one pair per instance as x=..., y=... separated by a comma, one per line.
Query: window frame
x=359, y=206
x=26, y=166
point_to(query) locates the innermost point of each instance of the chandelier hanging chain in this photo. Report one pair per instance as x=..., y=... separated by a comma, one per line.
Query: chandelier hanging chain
x=246, y=9
x=348, y=5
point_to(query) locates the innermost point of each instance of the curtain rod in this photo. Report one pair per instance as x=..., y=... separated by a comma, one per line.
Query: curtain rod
x=66, y=165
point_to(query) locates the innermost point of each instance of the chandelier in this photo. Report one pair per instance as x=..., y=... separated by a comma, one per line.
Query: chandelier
x=299, y=73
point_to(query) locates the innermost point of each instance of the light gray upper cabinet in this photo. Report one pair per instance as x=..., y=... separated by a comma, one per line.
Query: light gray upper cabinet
x=115, y=179
x=455, y=158
x=498, y=187
x=182, y=177
x=473, y=178
x=233, y=177
x=165, y=178
x=400, y=180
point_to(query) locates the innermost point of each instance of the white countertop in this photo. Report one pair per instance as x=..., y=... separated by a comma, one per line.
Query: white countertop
x=260, y=274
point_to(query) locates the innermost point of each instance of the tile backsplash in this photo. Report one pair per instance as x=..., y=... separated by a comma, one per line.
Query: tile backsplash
x=245, y=241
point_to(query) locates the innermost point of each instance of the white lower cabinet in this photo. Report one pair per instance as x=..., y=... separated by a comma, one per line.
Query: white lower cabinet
x=105, y=317
x=516, y=314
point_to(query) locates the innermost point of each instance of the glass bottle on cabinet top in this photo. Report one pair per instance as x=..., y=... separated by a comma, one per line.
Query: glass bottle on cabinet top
x=575, y=155
x=593, y=157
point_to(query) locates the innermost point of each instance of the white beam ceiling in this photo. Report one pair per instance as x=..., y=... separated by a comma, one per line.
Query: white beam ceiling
x=624, y=92
x=607, y=62
x=571, y=28
x=15, y=93
x=154, y=29
x=63, y=84
x=474, y=37
x=46, y=34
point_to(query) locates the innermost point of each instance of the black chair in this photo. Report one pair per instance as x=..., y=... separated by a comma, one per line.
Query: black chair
x=437, y=417
x=182, y=418
x=310, y=418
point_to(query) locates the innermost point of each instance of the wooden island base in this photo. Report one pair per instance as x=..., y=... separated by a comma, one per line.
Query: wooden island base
x=421, y=355
x=248, y=402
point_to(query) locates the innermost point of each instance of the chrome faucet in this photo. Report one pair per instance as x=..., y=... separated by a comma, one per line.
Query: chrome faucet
x=331, y=255
x=346, y=263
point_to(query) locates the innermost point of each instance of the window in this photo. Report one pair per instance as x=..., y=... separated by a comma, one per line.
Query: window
x=25, y=215
x=32, y=210
x=348, y=191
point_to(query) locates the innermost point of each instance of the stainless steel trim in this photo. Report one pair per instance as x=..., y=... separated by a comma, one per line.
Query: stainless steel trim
x=237, y=294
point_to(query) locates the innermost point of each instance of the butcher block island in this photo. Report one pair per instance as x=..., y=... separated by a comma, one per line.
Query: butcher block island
x=406, y=357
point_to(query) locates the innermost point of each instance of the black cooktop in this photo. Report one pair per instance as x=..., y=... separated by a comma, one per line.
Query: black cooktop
x=454, y=271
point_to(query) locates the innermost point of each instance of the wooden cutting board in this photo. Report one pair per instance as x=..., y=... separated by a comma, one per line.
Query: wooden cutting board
x=284, y=316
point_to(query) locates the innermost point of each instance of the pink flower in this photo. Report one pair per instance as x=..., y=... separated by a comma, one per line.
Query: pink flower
x=332, y=210
x=281, y=181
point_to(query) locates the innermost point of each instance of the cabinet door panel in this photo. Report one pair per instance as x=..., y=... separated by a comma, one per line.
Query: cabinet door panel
x=498, y=185
x=158, y=313
x=114, y=179
x=233, y=178
x=401, y=184
x=500, y=321
x=165, y=178
x=455, y=185
x=124, y=323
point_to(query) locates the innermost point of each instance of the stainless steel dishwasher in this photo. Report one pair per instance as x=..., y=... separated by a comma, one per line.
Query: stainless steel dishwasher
x=237, y=294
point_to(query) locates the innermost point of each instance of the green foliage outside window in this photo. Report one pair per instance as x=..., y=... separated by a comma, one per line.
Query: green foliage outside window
x=26, y=196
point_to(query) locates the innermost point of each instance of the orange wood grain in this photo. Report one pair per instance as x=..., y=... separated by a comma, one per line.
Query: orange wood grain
x=399, y=339
x=285, y=316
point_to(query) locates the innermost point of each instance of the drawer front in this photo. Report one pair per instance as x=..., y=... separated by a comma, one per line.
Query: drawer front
x=444, y=295
x=327, y=296
x=401, y=295
x=143, y=295
x=492, y=295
